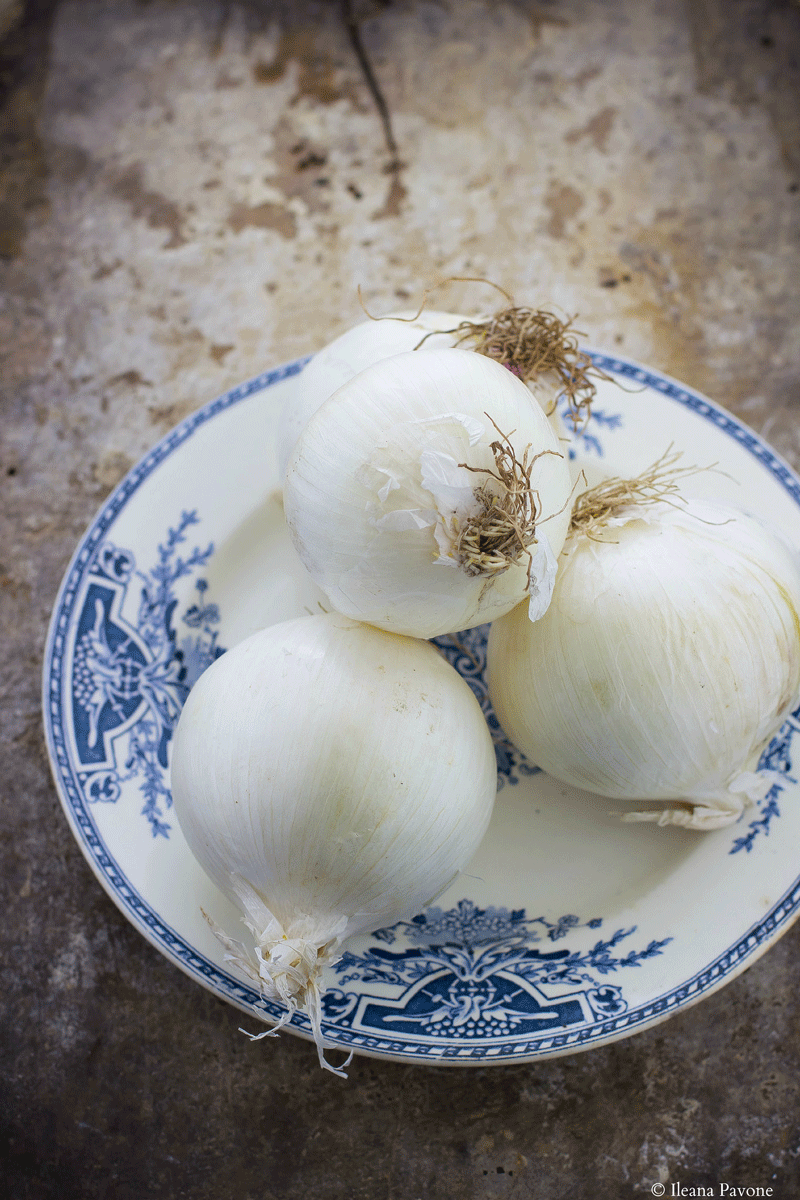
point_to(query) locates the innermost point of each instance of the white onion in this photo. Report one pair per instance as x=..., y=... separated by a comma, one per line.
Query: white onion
x=386, y=471
x=331, y=779
x=667, y=660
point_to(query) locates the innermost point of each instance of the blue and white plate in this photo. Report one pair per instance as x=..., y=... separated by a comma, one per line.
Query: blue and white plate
x=569, y=929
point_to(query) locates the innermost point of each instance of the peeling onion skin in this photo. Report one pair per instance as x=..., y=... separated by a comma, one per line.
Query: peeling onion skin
x=379, y=422
x=668, y=659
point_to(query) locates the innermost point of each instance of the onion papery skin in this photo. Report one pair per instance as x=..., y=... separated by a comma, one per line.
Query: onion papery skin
x=381, y=421
x=345, y=774
x=667, y=660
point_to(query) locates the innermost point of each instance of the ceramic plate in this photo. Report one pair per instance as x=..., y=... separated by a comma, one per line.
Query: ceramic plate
x=569, y=929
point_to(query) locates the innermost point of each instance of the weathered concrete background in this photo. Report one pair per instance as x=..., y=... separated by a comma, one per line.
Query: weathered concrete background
x=192, y=190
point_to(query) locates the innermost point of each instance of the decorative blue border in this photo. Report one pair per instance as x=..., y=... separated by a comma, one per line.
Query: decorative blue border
x=723, y=420
x=195, y=964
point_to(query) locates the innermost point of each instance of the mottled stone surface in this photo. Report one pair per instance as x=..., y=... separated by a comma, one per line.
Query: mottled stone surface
x=192, y=190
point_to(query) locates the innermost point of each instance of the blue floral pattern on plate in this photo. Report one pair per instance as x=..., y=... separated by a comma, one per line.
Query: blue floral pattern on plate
x=134, y=679
x=475, y=973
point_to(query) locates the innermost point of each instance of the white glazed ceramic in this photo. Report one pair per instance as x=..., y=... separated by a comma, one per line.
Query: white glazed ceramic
x=569, y=929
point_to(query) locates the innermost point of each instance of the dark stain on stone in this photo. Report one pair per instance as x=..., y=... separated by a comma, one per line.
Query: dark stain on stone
x=393, y=203
x=168, y=414
x=312, y=159
x=598, y=129
x=586, y=76
x=71, y=163
x=224, y=81
x=539, y=19
x=24, y=65
x=322, y=79
x=317, y=75
x=298, y=161
x=129, y=379
x=158, y=211
x=563, y=203
x=218, y=353
x=106, y=269
x=733, y=62
x=10, y=14
x=176, y=336
x=270, y=72
x=610, y=278
x=604, y=197
x=263, y=216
